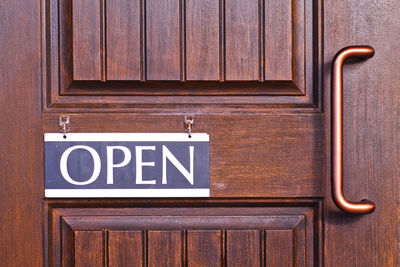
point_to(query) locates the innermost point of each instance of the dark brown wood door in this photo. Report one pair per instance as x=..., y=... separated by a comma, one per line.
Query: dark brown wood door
x=255, y=75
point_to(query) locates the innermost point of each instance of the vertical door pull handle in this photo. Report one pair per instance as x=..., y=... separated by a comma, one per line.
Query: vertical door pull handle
x=365, y=206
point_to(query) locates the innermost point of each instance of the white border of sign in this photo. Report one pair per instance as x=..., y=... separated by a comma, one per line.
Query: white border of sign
x=126, y=137
x=131, y=193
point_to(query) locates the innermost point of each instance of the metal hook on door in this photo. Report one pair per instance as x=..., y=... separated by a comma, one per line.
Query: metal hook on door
x=63, y=122
x=188, y=122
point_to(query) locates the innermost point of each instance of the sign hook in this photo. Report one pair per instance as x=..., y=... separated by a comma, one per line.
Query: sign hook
x=188, y=123
x=63, y=122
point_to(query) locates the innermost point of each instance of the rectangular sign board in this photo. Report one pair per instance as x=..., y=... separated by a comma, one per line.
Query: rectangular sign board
x=96, y=165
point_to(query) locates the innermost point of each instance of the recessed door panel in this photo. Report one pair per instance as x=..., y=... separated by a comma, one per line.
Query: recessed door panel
x=248, y=233
x=206, y=48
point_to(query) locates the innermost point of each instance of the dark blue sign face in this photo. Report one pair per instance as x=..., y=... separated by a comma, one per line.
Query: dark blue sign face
x=126, y=165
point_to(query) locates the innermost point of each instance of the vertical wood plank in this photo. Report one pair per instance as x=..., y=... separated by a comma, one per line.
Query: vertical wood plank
x=204, y=248
x=241, y=40
x=66, y=245
x=21, y=216
x=103, y=37
x=243, y=248
x=278, y=40
x=279, y=248
x=261, y=39
x=182, y=34
x=123, y=39
x=164, y=248
x=301, y=31
x=222, y=52
x=202, y=39
x=86, y=39
x=163, y=39
x=125, y=248
x=143, y=42
x=371, y=144
x=89, y=248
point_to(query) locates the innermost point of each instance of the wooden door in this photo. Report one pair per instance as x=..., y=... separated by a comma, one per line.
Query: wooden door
x=256, y=76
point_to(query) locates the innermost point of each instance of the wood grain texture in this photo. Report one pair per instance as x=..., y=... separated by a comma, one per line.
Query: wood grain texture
x=371, y=134
x=275, y=156
x=293, y=144
x=123, y=40
x=243, y=248
x=202, y=40
x=286, y=156
x=61, y=54
x=279, y=248
x=303, y=17
x=66, y=247
x=21, y=213
x=278, y=40
x=182, y=18
x=201, y=226
x=163, y=40
x=204, y=248
x=168, y=221
x=164, y=248
x=241, y=40
x=88, y=249
x=125, y=248
x=86, y=40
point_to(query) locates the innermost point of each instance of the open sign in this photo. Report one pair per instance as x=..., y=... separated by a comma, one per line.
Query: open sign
x=126, y=165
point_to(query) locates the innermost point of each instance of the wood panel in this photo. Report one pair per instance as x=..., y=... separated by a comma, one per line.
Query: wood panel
x=125, y=248
x=190, y=51
x=286, y=156
x=123, y=39
x=371, y=139
x=302, y=20
x=283, y=243
x=243, y=248
x=241, y=40
x=86, y=39
x=66, y=246
x=204, y=248
x=202, y=40
x=372, y=162
x=279, y=248
x=163, y=40
x=21, y=216
x=88, y=249
x=164, y=248
x=278, y=40
x=190, y=232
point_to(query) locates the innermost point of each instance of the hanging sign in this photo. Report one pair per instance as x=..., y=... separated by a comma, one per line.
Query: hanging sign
x=89, y=165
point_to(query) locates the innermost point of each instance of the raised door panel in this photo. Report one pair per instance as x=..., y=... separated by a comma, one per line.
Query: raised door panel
x=125, y=247
x=204, y=247
x=278, y=40
x=273, y=248
x=87, y=46
x=243, y=248
x=279, y=248
x=163, y=40
x=164, y=248
x=123, y=40
x=250, y=234
x=88, y=248
x=202, y=51
x=242, y=40
x=180, y=48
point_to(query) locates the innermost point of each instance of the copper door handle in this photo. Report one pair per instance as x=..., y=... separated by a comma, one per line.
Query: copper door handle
x=365, y=206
